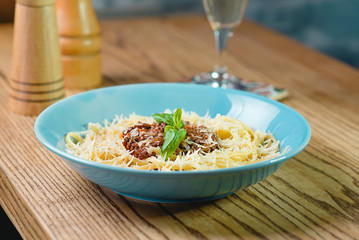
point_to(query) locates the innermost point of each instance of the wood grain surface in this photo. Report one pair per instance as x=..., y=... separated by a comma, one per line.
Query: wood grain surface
x=314, y=195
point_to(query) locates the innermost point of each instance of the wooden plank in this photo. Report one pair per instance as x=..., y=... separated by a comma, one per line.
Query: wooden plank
x=314, y=195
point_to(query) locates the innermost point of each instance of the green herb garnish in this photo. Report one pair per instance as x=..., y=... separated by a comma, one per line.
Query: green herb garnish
x=174, y=131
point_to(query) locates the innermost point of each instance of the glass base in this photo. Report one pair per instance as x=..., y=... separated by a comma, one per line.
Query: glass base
x=225, y=80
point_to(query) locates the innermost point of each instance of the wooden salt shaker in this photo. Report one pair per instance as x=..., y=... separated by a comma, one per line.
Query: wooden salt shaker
x=80, y=42
x=37, y=78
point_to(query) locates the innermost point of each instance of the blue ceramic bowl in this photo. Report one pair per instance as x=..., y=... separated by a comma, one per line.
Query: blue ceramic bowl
x=73, y=114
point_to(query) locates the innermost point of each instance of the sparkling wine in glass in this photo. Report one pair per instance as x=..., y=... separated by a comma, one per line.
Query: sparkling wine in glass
x=223, y=16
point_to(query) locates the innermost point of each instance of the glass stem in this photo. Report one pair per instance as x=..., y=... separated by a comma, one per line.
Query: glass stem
x=221, y=38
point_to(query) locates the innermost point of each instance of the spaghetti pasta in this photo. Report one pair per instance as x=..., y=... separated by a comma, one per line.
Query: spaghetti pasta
x=238, y=145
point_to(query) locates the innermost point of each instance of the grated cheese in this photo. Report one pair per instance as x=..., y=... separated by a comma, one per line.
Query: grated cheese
x=239, y=145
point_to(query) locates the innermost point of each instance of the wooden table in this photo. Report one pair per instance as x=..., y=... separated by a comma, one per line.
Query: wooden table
x=315, y=195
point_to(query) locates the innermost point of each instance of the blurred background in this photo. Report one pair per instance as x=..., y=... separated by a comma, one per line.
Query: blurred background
x=329, y=26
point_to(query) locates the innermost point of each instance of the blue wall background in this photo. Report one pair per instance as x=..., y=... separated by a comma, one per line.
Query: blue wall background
x=330, y=26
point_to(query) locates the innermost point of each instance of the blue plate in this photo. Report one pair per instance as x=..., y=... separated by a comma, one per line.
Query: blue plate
x=73, y=114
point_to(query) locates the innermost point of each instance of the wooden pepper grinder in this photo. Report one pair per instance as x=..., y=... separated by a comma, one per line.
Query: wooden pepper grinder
x=80, y=43
x=36, y=78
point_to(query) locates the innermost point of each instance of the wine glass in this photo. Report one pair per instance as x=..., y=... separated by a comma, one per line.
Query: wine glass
x=223, y=16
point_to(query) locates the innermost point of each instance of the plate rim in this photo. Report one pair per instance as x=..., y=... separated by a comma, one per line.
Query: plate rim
x=248, y=167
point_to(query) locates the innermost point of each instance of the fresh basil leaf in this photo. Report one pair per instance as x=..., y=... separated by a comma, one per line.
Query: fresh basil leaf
x=168, y=127
x=176, y=141
x=158, y=118
x=164, y=117
x=174, y=132
x=171, y=133
x=169, y=119
x=178, y=119
x=180, y=135
x=181, y=125
x=177, y=116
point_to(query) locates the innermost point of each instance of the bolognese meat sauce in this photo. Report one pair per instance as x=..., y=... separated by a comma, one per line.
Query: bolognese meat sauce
x=139, y=138
x=198, y=138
